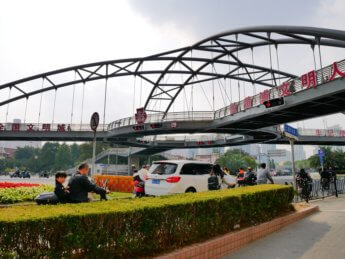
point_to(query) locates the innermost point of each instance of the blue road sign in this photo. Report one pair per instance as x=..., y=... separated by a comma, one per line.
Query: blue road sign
x=321, y=153
x=321, y=160
x=290, y=131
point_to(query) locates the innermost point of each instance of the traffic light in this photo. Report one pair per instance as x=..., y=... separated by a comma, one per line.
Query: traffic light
x=274, y=102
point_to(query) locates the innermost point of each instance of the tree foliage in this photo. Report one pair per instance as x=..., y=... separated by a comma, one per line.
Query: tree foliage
x=333, y=158
x=236, y=158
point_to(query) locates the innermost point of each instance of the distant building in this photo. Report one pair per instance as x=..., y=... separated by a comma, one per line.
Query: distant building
x=7, y=152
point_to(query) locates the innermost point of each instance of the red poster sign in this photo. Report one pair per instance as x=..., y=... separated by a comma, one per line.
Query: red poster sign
x=336, y=71
x=140, y=116
x=264, y=96
x=248, y=102
x=309, y=79
x=284, y=89
x=342, y=133
x=30, y=127
x=233, y=108
x=15, y=127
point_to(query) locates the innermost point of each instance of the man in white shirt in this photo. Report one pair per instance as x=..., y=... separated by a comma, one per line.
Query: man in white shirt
x=263, y=175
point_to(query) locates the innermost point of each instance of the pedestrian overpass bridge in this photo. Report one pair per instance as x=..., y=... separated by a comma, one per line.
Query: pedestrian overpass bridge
x=244, y=120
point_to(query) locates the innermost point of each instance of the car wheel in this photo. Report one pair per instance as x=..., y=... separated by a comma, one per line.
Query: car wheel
x=191, y=189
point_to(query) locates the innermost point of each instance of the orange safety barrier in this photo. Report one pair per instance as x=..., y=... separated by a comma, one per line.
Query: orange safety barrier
x=116, y=183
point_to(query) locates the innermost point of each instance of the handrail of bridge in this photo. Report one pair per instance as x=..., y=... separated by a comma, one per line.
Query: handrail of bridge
x=322, y=75
x=49, y=127
x=322, y=132
x=157, y=117
x=189, y=138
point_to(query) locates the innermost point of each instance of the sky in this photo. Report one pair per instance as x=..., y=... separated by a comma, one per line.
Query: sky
x=38, y=36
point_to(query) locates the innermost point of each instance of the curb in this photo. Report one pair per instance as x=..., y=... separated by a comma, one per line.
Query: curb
x=229, y=243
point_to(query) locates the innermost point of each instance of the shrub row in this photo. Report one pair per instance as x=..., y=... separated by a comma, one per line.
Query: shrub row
x=116, y=183
x=20, y=194
x=137, y=227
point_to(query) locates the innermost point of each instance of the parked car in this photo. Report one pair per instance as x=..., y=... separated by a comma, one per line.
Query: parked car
x=178, y=176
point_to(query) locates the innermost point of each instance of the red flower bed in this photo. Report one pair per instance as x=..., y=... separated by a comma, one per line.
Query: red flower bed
x=14, y=185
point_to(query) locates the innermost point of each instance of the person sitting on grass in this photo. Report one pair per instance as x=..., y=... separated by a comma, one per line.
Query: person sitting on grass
x=80, y=186
x=60, y=191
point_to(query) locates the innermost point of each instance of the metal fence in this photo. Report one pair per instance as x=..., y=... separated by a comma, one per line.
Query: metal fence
x=316, y=192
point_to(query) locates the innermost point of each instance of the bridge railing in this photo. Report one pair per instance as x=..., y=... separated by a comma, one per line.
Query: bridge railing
x=49, y=127
x=189, y=138
x=158, y=117
x=294, y=86
x=322, y=132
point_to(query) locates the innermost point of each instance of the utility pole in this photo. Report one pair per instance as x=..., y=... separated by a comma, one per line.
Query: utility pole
x=292, y=141
x=94, y=124
x=292, y=134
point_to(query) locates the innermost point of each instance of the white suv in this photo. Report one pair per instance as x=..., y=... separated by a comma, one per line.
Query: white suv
x=177, y=176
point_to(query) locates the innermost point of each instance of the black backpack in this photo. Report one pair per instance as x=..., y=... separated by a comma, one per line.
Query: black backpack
x=213, y=183
x=250, y=180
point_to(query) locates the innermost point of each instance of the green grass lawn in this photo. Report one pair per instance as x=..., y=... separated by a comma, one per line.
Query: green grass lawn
x=115, y=195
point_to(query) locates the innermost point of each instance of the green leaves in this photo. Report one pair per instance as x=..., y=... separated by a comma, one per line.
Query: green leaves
x=136, y=227
x=21, y=194
x=234, y=159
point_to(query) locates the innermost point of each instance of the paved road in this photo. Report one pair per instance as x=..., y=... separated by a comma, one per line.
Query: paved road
x=321, y=235
x=33, y=179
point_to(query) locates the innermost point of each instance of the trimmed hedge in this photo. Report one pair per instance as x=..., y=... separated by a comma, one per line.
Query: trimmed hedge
x=138, y=227
x=116, y=183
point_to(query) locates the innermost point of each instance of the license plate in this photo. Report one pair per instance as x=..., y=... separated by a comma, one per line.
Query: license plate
x=155, y=181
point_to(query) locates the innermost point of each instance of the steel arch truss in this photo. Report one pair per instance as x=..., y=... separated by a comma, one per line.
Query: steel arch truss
x=217, y=57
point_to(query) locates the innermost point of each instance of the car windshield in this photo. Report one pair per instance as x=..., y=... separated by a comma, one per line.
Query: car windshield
x=163, y=168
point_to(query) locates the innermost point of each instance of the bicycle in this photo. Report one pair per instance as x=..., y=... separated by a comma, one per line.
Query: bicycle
x=325, y=186
x=306, y=185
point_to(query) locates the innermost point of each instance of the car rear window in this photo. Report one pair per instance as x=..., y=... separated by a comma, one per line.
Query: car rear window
x=196, y=169
x=163, y=168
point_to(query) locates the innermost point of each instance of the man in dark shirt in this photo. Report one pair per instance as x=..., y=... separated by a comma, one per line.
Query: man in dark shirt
x=60, y=191
x=80, y=186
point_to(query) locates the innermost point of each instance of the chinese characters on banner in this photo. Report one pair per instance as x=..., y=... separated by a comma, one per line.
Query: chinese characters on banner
x=309, y=80
x=285, y=89
x=318, y=132
x=233, y=108
x=336, y=71
x=248, y=102
x=264, y=96
x=31, y=127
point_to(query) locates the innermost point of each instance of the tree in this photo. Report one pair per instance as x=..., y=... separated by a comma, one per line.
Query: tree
x=234, y=159
x=46, y=158
x=75, y=153
x=287, y=164
x=315, y=160
x=86, y=149
x=305, y=164
x=63, y=158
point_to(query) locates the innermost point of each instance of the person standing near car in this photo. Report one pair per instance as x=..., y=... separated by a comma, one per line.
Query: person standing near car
x=250, y=177
x=80, y=186
x=263, y=175
x=139, y=181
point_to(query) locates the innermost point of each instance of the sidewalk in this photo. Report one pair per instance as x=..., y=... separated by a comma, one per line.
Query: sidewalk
x=321, y=235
